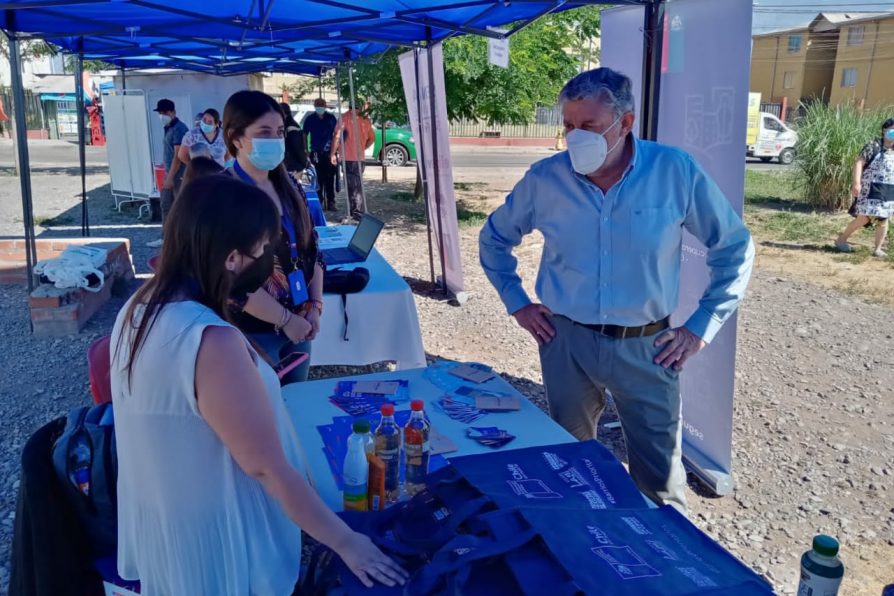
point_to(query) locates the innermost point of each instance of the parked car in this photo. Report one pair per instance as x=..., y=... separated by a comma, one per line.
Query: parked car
x=774, y=140
x=400, y=148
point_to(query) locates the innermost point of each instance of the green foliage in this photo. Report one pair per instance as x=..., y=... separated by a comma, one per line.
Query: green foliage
x=829, y=141
x=542, y=57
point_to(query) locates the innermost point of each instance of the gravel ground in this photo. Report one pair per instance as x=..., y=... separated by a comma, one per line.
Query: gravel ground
x=813, y=441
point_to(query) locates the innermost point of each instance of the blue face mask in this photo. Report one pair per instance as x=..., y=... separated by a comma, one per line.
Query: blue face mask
x=889, y=134
x=266, y=154
x=320, y=111
x=206, y=128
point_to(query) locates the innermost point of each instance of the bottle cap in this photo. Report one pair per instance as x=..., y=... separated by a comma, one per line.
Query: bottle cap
x=417, y=405
x=825, y=545
x=361, y=425
x=387, y=409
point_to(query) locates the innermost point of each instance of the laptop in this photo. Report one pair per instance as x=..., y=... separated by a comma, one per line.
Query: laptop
x=361, y=244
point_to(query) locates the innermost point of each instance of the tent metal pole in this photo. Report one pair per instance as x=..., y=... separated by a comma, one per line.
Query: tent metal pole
x=653, y=26
x=436, y=168
x=356, y=126
x=82, y=141
x=123, y=79
x=21, y=130
x=344, y=171
x=420, y=166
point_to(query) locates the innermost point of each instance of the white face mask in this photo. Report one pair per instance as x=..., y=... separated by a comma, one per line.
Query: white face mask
x=165, y=119
x=588, y=150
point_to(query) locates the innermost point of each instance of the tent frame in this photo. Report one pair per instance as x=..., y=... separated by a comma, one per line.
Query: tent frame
x=229, y=65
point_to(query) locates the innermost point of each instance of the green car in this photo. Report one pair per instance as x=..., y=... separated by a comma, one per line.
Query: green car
x=400, y=148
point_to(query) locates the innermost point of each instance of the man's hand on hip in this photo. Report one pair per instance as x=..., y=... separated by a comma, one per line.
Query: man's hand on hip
x=534, y=318
x=681, y=344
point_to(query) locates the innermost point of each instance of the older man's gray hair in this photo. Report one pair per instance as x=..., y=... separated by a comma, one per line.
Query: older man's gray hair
x=604, y=84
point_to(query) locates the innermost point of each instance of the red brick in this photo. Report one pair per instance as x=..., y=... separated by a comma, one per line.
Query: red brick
x=55, y=328
x=44, y=301
x=67, y=312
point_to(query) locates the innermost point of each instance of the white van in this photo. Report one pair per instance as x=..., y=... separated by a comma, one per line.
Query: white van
x=774, y=139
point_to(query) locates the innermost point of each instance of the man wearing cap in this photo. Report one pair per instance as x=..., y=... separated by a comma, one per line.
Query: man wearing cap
x=175, y=130
x=612, y=210
x=320, y=126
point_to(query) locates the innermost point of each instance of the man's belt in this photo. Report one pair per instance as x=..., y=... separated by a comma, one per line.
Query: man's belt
x=620, y=332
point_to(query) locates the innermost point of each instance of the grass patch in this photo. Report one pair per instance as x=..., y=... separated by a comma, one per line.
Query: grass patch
x=467, y=185
x=404, y=197
x=47, y=221
x=775, y=212
x=469, y=217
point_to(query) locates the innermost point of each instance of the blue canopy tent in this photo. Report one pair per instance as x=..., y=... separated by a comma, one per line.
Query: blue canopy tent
x=228, y=37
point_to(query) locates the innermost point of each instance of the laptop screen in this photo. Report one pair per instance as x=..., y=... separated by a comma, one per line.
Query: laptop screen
x=365, y=235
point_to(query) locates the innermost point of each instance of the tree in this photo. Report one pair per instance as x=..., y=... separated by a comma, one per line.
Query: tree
x=542, y=57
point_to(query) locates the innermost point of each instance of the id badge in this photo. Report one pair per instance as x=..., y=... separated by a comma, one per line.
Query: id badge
x=298, y=288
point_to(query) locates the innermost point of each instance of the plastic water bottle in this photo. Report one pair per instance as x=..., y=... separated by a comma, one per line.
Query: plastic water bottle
x=356, y=469
x=821, y=569
x=365, y=429
x=416, y=448
x=79, y=465
x=388, y=450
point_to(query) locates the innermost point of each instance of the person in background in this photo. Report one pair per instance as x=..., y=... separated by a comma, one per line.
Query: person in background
x=205, y=140
x=873, y=190
x=296, y=144
x=353, y=136
x=283, y=316
x=175, y=130
x=612, y=210
x=320, y=127
x=212, y=496
x=5, y=131
x=200, y=167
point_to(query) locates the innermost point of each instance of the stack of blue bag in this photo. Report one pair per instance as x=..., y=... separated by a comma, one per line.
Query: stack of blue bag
x=558, y=520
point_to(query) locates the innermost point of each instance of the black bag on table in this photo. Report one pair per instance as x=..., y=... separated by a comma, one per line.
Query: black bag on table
x=343, y=282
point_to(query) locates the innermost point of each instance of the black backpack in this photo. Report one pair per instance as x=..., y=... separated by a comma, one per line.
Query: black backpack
x=86, y=464
x=344, y=282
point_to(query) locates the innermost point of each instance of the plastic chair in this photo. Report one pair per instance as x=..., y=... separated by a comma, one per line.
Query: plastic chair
x=99, y=357
x=153, y=263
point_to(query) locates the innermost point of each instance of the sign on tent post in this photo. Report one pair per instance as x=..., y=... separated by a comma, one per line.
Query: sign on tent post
x=498, y=49
x=436, y=159
x=702, y=109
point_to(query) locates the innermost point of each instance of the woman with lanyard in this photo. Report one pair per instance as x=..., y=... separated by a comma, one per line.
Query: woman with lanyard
x=284, y=315
x=205, y=140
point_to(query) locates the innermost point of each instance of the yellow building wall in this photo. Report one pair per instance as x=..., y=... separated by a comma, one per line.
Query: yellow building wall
x=763, y=57
x=770, y=60
x=819, y=66
x=873, y=60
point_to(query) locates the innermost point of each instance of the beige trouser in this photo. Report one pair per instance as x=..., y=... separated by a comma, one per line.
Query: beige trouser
x=580, y=364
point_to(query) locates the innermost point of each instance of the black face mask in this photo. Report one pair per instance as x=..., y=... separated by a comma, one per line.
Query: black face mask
x=253, y=277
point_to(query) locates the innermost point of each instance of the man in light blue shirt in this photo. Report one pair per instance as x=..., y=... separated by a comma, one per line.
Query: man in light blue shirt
x=612, y=210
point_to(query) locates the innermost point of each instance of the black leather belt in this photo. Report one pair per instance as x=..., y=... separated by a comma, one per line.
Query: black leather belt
x=620, y=332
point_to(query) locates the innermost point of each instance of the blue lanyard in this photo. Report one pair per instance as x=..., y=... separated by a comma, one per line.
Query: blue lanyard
x=285, y=219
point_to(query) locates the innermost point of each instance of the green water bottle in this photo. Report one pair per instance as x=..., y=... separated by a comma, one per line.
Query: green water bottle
x=821, y=569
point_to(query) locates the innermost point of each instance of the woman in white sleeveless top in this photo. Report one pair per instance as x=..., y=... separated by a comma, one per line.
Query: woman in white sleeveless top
x=211, y=499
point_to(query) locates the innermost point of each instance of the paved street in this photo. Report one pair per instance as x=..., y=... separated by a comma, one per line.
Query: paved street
x=58, y=155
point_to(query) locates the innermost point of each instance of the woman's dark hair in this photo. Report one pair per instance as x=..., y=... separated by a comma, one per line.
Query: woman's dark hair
x=243, y=109
x=215, y=115
x=287, y=117
x=888, y=124
x=199, y=167
x=212, y=217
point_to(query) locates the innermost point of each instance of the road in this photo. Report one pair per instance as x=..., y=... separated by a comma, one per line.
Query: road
x=58, y=156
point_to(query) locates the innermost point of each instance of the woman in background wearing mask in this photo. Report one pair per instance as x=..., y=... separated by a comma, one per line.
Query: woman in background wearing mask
x=873, y=190
x=283, y=316
x=211, y=498
x=205, y=140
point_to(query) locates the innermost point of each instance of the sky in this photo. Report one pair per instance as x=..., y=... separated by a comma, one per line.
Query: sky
x=783, y=14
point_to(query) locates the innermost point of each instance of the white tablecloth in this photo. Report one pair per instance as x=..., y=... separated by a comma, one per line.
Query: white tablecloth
x=383, y=323
x=308, y=406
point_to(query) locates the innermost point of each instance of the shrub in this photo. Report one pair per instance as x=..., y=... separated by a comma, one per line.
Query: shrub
x=829, y=140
